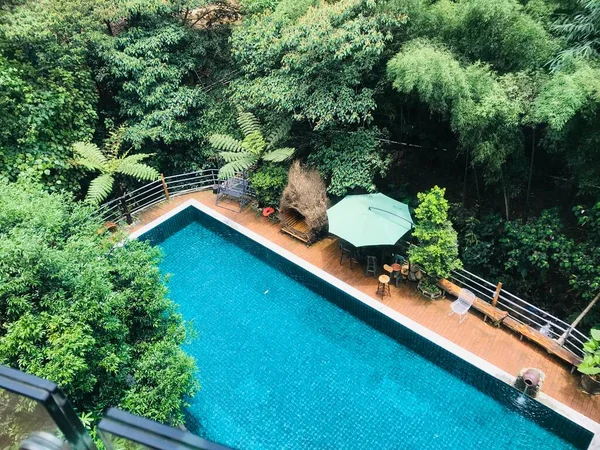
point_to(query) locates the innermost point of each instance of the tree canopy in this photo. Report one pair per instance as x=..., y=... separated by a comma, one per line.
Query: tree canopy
x=91, y=316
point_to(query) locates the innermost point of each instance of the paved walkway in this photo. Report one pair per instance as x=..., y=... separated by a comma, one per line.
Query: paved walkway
x=499, y=346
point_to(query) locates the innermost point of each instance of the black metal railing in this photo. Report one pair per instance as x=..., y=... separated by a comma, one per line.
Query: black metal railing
x=35, y=414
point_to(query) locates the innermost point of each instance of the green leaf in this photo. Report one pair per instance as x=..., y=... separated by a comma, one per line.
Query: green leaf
x=596, y=335
x=226, y=143
x=279, y=155
x=248, y=123
x=137, y=170
x=89, y=156
x=100, y=188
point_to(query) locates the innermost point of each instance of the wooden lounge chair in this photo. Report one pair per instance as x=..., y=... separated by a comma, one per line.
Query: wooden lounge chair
x=293, y=223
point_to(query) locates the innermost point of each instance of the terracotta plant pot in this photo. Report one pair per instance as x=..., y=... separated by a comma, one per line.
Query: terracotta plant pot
x=590, y=384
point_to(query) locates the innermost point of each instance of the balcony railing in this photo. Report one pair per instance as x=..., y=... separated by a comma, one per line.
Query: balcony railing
x=36, y=415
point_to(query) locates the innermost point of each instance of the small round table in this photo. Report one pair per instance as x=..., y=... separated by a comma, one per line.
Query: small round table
x=396, y=272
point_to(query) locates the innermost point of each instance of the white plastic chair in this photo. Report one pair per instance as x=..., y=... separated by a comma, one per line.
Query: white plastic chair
x=462, y=304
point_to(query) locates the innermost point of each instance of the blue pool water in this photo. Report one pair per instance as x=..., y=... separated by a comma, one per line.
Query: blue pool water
x=283, y=367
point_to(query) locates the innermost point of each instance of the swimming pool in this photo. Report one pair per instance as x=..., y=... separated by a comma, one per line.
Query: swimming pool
x=289, y=361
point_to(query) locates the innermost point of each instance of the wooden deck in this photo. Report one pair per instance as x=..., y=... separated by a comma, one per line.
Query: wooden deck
x=499, y=346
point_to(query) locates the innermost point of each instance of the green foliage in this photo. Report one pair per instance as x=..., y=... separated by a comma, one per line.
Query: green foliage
x=484, y=110
x=165, y=76
x=47, y=102
x=437, y=249
x=109, y=164
x=240, y=156
x=568, y=105
x=591, y=361
x=312, y=62
x=258, y=6
x=537, y=258
x=499, y=32
x=350, y=160
x=581, y=30
x=268, y=182
x=87, y=314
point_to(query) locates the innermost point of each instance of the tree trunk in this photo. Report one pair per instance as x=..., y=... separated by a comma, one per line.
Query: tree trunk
x=505, y=194
x=464, y=202
x=477, y=184
x=124, y=205
x=579, y=318
x=530, y=173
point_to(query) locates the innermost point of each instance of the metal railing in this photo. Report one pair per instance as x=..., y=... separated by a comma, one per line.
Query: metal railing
x=36, y=414
x=125, y=207
x=522, y=311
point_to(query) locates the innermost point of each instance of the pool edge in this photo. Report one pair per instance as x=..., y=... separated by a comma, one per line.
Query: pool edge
x=421, y=330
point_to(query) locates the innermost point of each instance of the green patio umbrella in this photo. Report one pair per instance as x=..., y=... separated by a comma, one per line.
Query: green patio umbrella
x=371, y=219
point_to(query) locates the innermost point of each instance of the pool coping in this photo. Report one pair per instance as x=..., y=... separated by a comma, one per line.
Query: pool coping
x=432, y=336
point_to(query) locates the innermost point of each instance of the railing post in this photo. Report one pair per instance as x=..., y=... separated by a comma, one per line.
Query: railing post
x=497, y=294
x=126, y=211
x=561, y=340
x=164, y=185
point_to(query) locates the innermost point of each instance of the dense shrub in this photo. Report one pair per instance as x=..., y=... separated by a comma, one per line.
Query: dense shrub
x=437, y=250
x=268, y=183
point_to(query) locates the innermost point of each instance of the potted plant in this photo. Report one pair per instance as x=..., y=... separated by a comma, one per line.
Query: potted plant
x=429, y=289
x=590, y=366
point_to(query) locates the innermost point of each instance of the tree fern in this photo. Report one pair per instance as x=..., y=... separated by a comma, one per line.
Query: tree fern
x=279, y=155
x=109, y=164
x=137, y=170
x=240, y=156
x=254, y=143
x=88, y=155
x=278, y=134
x=232, y=168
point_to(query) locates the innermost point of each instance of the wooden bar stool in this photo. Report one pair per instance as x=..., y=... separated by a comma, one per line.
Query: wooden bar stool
x=371, y=266
x=383, y=286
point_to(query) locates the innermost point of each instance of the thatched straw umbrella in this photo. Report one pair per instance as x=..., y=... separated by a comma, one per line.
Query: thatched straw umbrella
x=303, y=205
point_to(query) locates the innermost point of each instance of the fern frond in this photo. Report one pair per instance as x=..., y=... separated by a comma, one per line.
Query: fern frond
x=89, y=156
x=135, y=158
x=254, y=143
x=248, y=123
x=225, y=143
x=233, y=156
x=279, y=154
x=113, y=143
x=234, y=167
x=100, y=188
x=138, y=170
x=278, y=134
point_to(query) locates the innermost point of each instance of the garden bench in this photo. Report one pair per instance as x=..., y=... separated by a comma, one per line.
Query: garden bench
x=501, y=317
x=497, y=315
